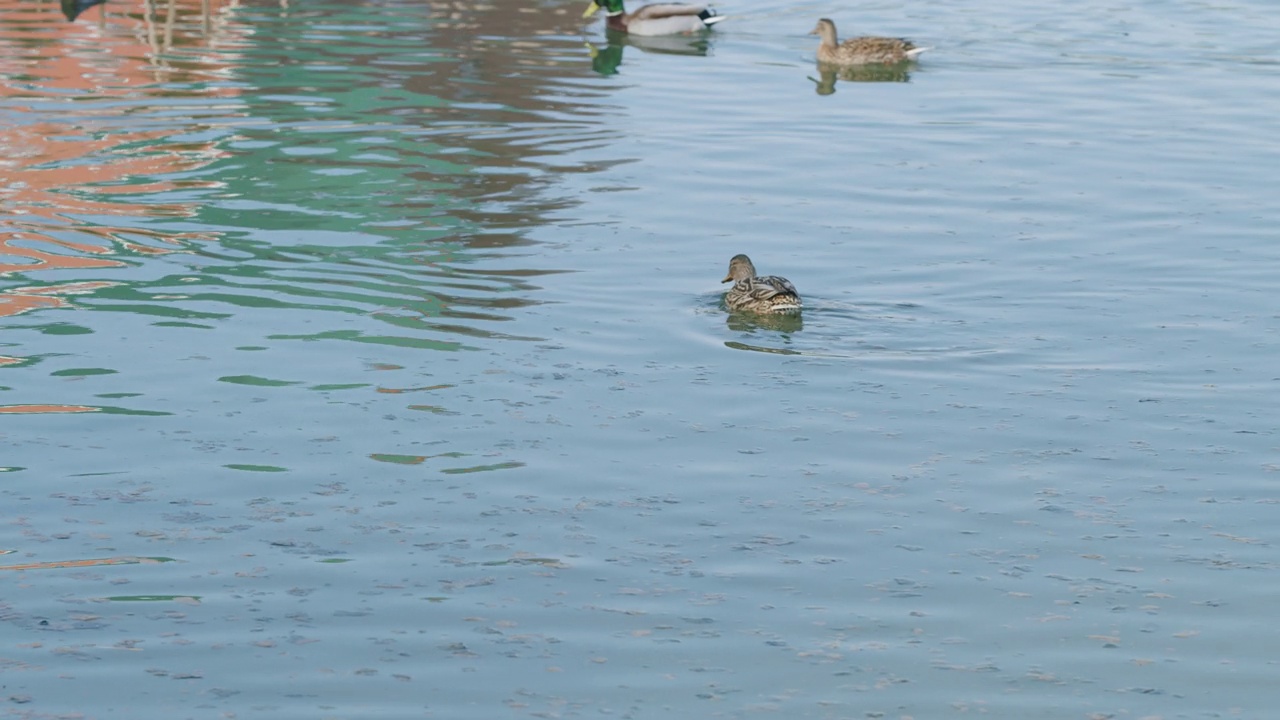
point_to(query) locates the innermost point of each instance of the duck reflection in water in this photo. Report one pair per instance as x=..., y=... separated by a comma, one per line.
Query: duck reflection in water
x=825, y=83
x=605, y=60
x=777, y=322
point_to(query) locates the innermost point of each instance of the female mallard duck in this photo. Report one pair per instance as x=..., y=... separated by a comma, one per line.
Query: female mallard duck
x=759, y=294
x=862, y=50
x=664, y=19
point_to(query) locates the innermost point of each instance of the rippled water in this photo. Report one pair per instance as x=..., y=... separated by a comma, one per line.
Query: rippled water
x=367, y=360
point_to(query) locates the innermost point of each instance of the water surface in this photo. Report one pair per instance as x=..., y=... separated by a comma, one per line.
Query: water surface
x=367, y=360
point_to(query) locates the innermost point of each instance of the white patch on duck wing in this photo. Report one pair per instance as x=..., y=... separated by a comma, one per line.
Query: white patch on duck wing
x=661, y=10
x=672, y=25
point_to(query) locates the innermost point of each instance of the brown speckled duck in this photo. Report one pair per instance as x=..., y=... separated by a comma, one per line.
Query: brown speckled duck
x=659, y=19
x=758, y=293
x=862, y=50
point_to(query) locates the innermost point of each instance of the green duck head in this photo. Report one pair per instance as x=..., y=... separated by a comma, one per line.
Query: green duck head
x=611, y=7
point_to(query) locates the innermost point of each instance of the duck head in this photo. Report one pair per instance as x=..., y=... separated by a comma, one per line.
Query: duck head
x=740, y=268
x=611, y=7
x=826, y=30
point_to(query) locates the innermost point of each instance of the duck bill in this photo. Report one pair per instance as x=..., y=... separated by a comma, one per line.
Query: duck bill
x=591, y=9
x=727, y=278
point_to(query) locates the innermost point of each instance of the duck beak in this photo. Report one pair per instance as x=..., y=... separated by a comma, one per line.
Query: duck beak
x=591, y=9
x=727, y=278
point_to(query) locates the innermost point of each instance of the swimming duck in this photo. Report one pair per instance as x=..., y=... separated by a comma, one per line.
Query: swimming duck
x=758, y=293
x=862, y=50
x=663, y=19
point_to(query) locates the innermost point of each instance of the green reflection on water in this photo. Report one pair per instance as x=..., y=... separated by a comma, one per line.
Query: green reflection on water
x=483, y=468
x=64, y=329
x=82, y=372
x=355, y=336
x=110, y=410
x=398, y=459
x=256, y=381
x=339, y=386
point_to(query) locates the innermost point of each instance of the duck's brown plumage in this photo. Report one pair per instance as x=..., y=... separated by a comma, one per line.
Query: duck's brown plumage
x=758, y=293
x=861, y=50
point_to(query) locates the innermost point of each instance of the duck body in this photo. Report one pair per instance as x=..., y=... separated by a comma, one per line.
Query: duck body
x=658, y=19
x=758, y=293
x=862, y=50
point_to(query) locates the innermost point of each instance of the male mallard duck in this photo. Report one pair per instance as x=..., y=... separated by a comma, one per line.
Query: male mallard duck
x=759, y=294
x=664, y=19
x=862, y=50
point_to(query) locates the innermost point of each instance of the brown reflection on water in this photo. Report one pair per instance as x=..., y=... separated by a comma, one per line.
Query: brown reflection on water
x=79, y=83
x=46, y=409
x=20, y=300
x=825, y=83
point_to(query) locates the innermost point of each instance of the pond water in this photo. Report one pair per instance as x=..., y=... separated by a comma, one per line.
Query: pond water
x=367, y=360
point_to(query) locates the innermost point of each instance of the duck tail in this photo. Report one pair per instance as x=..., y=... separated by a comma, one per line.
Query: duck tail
x=709, y=17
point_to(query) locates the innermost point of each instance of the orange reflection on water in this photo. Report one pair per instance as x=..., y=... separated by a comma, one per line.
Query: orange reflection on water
x=20, y=300
x=46, y=409
x=94, y=562
x=72, y=150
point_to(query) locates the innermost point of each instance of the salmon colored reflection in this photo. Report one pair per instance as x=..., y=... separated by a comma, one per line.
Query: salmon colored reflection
x=45, y=409
x=20, y=300
x=127, y=560
x=54, y=167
